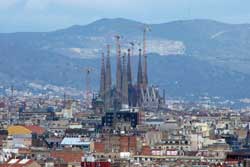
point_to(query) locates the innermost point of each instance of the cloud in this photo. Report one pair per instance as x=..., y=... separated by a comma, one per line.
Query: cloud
x=95, y=3
x=7, y=4
x=42, y=4
x=37, y=4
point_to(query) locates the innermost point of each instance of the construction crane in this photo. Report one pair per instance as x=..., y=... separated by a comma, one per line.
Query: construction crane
x=145, y=30
x=88, y=92
x=145, y=70
x=12, y=112
x=118, y=64
x=132, y=48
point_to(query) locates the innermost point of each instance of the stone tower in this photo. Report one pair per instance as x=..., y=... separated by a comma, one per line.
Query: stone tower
x=118, y=66
x=102, y=82
x=129, y=69
x=108, y=80
x=124, y=82
x=139, y=73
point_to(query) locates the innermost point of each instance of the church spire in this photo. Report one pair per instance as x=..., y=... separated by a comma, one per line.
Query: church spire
x=145, y=68
x=102, y=83
x=124, y=82
x=118, y=65
x=108, y=79
x=139, y=73
x=129, y=69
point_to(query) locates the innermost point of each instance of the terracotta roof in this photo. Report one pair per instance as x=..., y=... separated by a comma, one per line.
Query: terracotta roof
x=24, y=151
x=99, y=147
x=35, y=129
x=68, y=155
x=146, y=150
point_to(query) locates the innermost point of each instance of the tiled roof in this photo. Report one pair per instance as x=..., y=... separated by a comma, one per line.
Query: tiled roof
x=68, y=155
x=99, y=147
x=36, y=129
x=20, y=130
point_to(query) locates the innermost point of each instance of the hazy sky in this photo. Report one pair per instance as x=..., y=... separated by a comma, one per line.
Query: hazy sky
x=46, y=15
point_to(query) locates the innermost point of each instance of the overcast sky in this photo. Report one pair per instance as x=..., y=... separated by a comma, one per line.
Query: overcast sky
x=46, y=15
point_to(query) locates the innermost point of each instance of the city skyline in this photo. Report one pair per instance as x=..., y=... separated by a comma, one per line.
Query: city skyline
x=113, y=83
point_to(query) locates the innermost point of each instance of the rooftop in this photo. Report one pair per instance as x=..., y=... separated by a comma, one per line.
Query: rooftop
x=74, y=141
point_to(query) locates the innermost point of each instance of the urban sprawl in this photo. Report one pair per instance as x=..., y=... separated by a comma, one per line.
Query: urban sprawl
x=128, y=123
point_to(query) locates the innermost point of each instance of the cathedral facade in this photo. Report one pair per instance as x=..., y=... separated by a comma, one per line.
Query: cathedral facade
x=125, y=93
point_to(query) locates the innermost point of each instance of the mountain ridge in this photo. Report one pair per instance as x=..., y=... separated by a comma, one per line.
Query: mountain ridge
x=62, y=53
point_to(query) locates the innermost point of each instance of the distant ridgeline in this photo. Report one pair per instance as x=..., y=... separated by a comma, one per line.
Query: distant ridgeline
x=189, y=58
